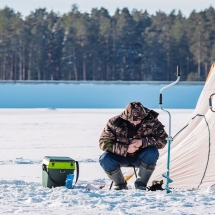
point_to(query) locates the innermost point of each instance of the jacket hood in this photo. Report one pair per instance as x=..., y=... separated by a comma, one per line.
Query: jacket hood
x=134, y=111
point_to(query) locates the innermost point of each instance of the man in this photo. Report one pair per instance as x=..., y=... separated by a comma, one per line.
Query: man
x=132, y=138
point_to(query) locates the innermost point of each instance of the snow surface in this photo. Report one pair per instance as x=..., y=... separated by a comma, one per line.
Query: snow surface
x=28, y=135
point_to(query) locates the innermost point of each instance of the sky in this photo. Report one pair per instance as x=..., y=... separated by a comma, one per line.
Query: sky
x=64, y=6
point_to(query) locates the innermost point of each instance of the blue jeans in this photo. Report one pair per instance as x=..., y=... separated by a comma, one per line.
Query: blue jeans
x=110, y=161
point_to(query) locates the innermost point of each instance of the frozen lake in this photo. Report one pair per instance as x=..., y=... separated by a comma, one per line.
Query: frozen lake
x=97, y=95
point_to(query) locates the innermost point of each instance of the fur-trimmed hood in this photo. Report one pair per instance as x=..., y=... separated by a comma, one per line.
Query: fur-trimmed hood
x=134, y=111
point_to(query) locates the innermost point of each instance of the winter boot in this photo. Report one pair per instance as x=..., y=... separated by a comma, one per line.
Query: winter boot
x=118, y=179
x=145, y=172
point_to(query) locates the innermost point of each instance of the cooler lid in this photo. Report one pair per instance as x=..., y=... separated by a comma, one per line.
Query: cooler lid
x=56, y=162
x=58, y=158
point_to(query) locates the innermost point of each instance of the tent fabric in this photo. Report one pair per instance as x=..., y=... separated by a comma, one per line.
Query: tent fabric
x=192, y=157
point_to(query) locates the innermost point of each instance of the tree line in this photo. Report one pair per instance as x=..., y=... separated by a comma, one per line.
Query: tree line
x=129, y=46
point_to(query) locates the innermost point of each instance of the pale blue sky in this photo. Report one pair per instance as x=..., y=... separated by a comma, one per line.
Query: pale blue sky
x=63, y=6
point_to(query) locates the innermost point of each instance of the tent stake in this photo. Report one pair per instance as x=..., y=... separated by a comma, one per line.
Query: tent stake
x=169, y=139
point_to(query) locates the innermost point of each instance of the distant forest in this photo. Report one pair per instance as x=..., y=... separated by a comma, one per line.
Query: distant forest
x=128, y=46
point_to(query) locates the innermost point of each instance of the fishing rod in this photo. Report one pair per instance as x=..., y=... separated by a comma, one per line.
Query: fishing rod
x=169, y=138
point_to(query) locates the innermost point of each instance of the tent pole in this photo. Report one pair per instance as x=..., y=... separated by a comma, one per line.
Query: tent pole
x=169, y=139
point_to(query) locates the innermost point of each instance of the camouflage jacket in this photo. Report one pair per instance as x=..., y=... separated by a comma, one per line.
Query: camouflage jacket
x=114, y=137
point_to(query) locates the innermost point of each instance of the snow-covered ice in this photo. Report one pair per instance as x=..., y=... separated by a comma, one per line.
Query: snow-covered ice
x=28, y=135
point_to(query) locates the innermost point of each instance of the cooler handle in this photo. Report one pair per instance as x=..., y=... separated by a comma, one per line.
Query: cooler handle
x=45, y=169
x=77, y=172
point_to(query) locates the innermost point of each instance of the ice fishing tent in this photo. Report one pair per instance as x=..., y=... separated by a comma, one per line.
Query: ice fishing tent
x=193, y=148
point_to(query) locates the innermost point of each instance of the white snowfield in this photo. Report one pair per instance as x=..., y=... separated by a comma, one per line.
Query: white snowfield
x=28, y=135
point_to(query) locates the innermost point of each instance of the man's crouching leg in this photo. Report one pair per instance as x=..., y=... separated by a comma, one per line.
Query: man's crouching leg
x=118, y=179
x=148, y=159
x=145, y=172
x=111, y=165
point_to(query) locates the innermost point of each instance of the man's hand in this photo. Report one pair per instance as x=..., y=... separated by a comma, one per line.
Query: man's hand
x=137, y=142
x=134, y=145
x=132, y=148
